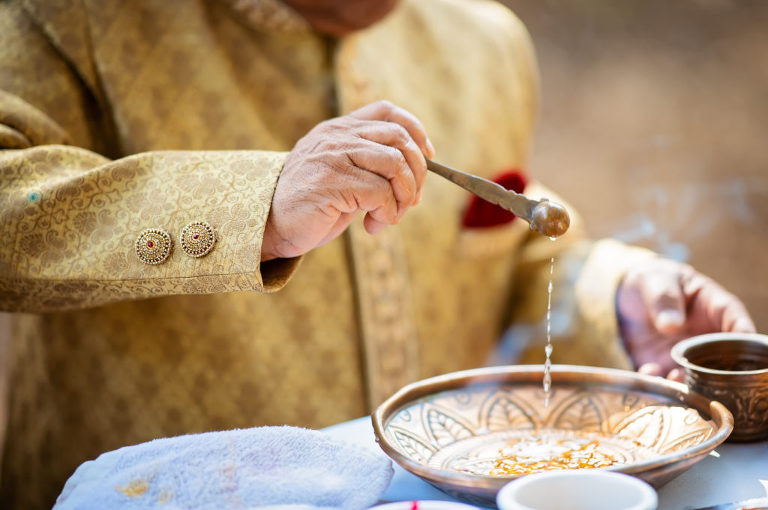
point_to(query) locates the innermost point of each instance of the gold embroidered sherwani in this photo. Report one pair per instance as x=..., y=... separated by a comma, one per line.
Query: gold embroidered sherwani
x=119, y=116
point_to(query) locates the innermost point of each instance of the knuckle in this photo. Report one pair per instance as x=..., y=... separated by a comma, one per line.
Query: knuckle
x=403, y=169
x=399, y=163
x=385, y=192
x=414, y=149
x=320, y=149
x=326, y=161
x=327, y=124
x=662, y=288
x=384, y=105
x=401, y=135
x=394, y=155
x=334, y=124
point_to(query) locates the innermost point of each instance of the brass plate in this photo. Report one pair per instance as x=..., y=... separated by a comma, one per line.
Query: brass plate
x=449, y=429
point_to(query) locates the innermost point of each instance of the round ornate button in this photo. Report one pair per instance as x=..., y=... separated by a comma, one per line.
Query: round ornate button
x=197, y=239
x=153, y=246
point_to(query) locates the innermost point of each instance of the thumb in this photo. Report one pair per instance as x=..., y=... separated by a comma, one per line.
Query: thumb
x=665, y=301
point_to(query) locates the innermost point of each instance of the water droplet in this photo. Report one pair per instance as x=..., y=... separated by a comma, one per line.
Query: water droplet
x=547, y=382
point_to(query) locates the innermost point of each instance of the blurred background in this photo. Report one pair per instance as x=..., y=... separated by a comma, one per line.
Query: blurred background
x=654, y=125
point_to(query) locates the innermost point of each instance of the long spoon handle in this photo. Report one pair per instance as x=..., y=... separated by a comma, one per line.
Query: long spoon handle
x=548, y=218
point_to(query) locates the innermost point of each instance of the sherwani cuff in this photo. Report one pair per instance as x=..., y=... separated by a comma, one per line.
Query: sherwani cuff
x=95, y=210
x=272, y=275
x=595, y=288
x=277, y=272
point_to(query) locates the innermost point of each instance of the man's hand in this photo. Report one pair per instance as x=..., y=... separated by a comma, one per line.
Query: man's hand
x=660, y=302
x=371, y=160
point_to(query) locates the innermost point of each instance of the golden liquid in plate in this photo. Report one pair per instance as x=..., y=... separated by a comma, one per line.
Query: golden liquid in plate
x=535, y=455
x=526, y=452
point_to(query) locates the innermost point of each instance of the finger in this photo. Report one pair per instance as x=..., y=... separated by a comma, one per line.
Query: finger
x=650, y=369
x=367, y=192
x=338, y=228
x=721, y=310
x=743, y=325
x=737, y=319
x=372, y=225
x=414, y=127
x=734, y=315
x=393, y=135
x=380, y=203
x=664, y=300
x=386, y=111
x=389, y=163
x=676, y=374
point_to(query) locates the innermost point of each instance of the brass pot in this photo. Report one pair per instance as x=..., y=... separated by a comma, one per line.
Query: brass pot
x=731, y=368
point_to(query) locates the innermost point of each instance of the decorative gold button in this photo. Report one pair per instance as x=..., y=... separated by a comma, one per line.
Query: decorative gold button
x=197, y=239
x=153, y=246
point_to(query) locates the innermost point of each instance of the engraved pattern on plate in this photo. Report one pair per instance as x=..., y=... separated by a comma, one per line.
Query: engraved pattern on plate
x=465, y=433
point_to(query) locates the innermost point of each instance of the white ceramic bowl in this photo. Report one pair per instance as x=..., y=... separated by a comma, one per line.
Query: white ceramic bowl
x=577, y=490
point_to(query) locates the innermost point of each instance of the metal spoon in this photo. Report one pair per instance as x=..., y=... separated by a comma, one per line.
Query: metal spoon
x=545, y=217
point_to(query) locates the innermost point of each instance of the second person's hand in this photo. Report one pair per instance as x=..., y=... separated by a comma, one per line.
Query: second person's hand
x=661, y=302
x=371, y=160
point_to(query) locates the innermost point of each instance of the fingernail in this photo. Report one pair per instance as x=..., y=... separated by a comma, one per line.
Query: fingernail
x=668, y=320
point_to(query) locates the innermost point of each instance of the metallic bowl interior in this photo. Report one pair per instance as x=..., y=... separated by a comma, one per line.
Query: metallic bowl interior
x=443, y=428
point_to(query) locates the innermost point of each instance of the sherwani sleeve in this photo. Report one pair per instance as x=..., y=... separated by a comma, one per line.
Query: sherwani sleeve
x=70, y=217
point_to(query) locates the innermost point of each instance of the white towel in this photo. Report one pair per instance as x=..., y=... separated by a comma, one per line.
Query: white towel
x=266, y=467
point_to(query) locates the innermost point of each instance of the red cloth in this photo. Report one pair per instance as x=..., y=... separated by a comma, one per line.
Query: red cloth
x=482, y=214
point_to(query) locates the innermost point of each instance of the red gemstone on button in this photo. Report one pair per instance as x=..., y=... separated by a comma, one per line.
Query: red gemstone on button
x=150, y=244
x=195, y=236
